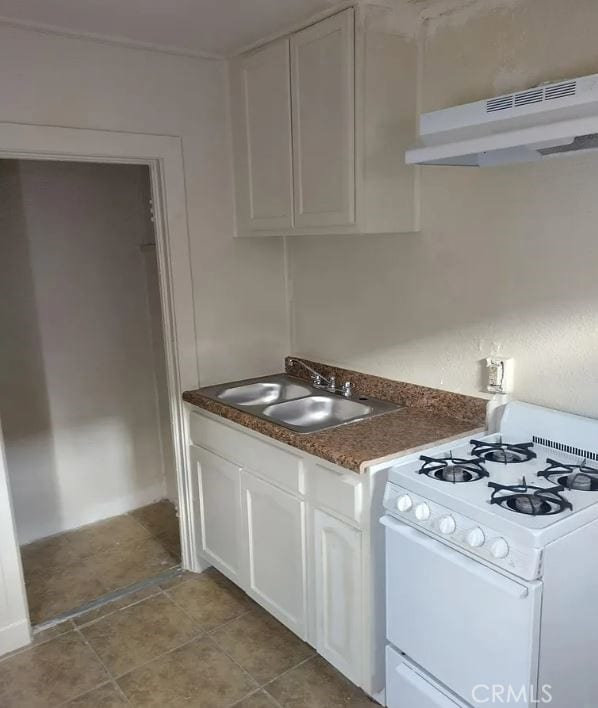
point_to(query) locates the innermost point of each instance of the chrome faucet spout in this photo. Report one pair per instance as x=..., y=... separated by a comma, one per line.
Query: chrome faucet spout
x=316, y=377
x=320, y=381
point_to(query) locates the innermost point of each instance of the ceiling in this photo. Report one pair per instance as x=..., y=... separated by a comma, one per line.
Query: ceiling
x=210, y=27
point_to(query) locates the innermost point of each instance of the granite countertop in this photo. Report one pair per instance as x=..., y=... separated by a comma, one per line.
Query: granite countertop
x=429, y=417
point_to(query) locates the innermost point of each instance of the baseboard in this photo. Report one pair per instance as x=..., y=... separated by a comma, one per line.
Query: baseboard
x=14, y=636
x=100, y=511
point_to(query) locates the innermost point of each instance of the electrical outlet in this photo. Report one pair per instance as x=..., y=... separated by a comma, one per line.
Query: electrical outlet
x=499, y=374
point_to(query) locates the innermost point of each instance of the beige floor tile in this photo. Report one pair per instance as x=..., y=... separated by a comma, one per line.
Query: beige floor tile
x=316, y=684
x=258, y=700
x=107, y=696
x=129, y=563
x=159, y=518
x=261, y=645
x=47, y=555
x=49, y=674
x=104, y=534
x=110, y=607
x=62, y=589
x=211, y=599
x=197, y=675
x=133, y=636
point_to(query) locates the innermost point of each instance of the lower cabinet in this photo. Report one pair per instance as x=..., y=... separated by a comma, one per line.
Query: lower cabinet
x=274, y=524
x=338, y=594
x=219, y=491
x=297, y=535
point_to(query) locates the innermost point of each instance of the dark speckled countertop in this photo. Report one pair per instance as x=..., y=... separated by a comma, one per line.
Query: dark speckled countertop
x=429, y=417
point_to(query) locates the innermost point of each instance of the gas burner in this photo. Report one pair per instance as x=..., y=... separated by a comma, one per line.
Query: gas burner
x=579, y=477
x=526, y=499
x=507, y=453
x=452, y=469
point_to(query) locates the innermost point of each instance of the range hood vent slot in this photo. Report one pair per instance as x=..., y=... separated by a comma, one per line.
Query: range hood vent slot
x=526, y=97
x=502, y=103
x=568, y=88
x=535, y=95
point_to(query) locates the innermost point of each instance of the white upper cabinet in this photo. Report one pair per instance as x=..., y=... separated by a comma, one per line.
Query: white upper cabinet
x=321, y=121
x=323, y=100
x=261, y=105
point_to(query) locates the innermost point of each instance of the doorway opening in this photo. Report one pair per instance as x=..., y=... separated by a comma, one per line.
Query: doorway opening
x=84, y=399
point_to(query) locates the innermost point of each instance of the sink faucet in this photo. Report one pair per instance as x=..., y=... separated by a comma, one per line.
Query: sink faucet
x=320, y=381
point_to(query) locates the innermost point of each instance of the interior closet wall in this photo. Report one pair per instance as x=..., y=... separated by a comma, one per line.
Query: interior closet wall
x=82, y=374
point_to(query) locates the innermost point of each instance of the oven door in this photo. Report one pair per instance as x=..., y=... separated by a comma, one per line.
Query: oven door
x=473, y=629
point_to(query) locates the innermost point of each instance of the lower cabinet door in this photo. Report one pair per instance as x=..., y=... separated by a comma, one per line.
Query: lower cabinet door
x=338, y=593
x=275, y=528
x=219, y=492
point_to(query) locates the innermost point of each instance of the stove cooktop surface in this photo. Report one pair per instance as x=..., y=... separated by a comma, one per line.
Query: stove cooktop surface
x=518, y=483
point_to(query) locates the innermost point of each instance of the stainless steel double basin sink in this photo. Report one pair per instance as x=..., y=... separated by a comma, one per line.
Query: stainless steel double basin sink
x=296, y=405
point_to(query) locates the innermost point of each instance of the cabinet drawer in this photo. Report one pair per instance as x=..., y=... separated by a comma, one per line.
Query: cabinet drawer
x=267, y=460
x=338, y=491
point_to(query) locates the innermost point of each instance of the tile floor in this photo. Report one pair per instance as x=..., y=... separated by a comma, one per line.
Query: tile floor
x=195, y=641
x=67, y=571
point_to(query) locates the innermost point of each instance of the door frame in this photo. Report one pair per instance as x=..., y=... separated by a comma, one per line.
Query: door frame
x=163, y=154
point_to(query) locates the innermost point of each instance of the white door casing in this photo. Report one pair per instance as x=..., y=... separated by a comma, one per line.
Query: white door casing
x=163, y=155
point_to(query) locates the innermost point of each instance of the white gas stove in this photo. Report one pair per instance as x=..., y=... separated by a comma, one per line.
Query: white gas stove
x=486, y=541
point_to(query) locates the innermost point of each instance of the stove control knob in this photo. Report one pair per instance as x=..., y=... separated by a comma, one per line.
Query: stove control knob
x=404, y=503
x=499, y=548
x=447, y=525
x=475, y=538
x=422, y=512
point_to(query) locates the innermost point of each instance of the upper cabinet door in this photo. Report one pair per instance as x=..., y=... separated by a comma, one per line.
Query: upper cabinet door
x=262, y=138
x=322, y=70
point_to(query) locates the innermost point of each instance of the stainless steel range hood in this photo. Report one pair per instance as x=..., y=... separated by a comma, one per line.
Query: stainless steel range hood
x=552, y=120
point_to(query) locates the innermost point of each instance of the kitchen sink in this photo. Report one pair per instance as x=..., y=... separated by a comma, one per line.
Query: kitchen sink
x=313, y=411
x=263, y=393
x=296, y=405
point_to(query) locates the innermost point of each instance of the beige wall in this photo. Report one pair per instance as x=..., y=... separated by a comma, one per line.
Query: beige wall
x=79, y=375
x=507, y=259
x=238, y=286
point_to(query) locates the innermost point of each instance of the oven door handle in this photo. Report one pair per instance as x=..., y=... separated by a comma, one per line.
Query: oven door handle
x=471, y=566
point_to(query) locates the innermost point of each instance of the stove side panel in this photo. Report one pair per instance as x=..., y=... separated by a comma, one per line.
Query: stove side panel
x=569, y=625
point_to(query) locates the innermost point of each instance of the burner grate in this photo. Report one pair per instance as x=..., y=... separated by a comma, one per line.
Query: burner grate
x=579, y=477
x=456, y=470
x=506, y=453
x=527, y=499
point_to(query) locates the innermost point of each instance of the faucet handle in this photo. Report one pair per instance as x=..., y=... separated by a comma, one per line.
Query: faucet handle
x=316, y=379
x=347, y=389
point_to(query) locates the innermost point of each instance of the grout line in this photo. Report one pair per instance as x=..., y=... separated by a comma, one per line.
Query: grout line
x=159, y=656
x=80, y=695
x=243, y=669
x=286, y=671
x=99, y=658
x=215, y=630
